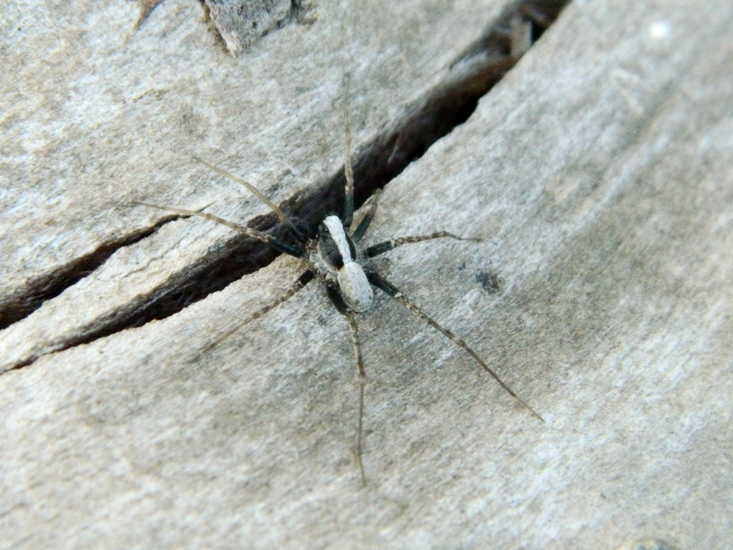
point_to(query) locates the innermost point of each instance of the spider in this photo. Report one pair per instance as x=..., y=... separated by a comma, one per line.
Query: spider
x=336, y=257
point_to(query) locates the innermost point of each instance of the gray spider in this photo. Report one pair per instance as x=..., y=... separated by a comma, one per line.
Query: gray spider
x=335, y=257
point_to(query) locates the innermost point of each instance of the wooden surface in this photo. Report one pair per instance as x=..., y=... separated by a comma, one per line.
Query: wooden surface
x=598, y=174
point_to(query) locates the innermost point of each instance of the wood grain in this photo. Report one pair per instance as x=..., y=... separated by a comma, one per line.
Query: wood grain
x=597, y=174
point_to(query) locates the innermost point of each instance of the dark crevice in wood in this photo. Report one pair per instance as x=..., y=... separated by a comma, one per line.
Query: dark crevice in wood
x=449, y=104
x=51, y=285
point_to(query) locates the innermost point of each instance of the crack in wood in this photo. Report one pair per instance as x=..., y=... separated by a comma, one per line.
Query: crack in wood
x=50, y=285
x=468, y=78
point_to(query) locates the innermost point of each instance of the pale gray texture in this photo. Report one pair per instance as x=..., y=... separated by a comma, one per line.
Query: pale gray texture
x=599, y=174
x=87, y=134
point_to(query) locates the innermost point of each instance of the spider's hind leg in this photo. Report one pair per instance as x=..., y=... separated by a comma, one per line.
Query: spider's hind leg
x=342, y=308
x=393, y=292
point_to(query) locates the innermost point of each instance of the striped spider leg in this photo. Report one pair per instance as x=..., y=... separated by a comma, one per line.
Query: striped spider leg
x=336, y=258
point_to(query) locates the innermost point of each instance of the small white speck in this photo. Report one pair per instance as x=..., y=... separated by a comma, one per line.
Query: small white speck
x=659, y=30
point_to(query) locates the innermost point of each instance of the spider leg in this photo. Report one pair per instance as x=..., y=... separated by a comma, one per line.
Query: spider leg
x=303, y=280
x=351, y=317
x=341, y=306
x=386, y=246
x=257, y=193
x=269, y=240
x=393, y=292
x=366, y=221
x=348, y=214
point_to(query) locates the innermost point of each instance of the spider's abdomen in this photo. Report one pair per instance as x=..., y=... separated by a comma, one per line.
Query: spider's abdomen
x=354, y=286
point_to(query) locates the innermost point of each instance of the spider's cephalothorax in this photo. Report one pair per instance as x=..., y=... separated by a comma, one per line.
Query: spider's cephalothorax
x=336, y=258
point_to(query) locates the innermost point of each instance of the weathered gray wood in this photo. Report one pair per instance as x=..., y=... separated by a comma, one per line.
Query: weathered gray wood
x=89, y=134
x=598, y=173
x=241, y=22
